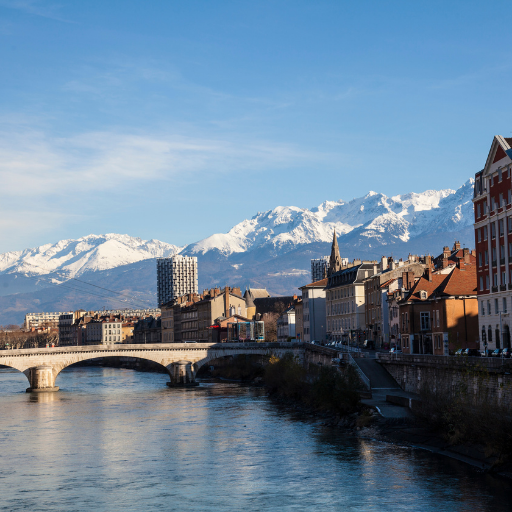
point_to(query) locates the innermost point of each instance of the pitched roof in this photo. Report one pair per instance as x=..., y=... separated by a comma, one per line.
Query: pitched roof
x=258, y=293
x=317, y=284
x=460, y=281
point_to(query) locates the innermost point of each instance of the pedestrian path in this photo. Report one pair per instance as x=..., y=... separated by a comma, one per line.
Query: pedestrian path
x=383, y=384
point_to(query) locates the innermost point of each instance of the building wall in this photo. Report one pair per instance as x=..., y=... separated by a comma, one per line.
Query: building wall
x=176, y=276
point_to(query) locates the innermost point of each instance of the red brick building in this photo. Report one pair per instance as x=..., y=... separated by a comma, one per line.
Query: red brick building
x=493, y=239
x=440, y=312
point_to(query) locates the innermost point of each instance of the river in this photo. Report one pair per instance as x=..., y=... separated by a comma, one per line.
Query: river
x=120, y=440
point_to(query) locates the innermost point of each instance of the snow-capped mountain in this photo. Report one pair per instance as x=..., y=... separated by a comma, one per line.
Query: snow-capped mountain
x=273, y=249
x=72, y=258
x=385, y=220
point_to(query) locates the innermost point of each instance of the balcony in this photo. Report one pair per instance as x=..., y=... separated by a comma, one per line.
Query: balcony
x=503, y=287
x=502, y=261
x=494, y=289
x=510, y=286
x=494, y=263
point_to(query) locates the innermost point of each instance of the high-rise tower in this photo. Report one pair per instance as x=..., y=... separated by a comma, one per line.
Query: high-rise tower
x=175, y=276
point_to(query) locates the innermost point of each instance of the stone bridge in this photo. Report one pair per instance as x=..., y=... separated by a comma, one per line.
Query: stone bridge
x=181, y=360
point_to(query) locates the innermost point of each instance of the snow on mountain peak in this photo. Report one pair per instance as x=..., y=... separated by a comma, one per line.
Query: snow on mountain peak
x=92, y=252
x=375, y=215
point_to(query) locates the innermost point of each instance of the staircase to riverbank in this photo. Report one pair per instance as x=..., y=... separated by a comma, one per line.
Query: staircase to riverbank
x=381, y=385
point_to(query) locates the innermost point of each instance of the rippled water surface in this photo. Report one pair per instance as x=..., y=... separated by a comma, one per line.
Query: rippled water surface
x=120, y=440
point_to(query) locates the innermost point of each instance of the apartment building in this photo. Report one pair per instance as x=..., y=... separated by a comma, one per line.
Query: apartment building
x=376, y=290
x=439, y=314
x=319, y=267
x=176, y=276
x=345, y=301
x=286, y=325
x=313, y=311
x=299, y=331
x=147, y=330
x=493, y=240
x=35, y=320
x=217, y=303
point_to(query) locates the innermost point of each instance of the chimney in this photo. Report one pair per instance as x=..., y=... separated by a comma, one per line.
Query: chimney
x=446, y=252
x=428, y=261
x=383, y=263
x=456, y=245
x=465, y=255
x=428, y=274
x=407, y=280
x=226, y=301
x=392, y=266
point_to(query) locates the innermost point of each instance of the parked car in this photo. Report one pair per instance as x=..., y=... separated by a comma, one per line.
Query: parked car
x=486, y=353
x=471, y=352
x=496, y=353
x=458, y=352
x=395, y=350
x=506, y=352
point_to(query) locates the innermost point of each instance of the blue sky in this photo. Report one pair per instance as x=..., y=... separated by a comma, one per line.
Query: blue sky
x=175, y=120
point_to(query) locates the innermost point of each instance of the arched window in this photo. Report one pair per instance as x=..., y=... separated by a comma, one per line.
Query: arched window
x=489, y=334
x=483, y=334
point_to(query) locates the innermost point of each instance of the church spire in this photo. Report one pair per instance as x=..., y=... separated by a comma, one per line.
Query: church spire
x=335, y=260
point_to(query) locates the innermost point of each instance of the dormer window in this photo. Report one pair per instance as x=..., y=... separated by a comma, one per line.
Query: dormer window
x=423, y=295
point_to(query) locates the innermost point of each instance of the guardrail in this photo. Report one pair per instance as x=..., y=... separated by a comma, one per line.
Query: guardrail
x=495, y=364
x=362, y=376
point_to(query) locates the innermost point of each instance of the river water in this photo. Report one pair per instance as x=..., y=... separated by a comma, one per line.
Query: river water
x=120, y=440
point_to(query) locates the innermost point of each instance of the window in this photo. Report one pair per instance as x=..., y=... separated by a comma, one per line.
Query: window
x=501, y=226
x=438, y=318
x=479, y=259
x=496, y=308
x=483, y=307
x=503, y=278
x=493, y=204
x=478, y=211
x=481, y=283
x=486, y=258
x=488, y=307
x=493, y=230
x=504, y=304
x=493, y=256
x=489, y=334
x=500, y=175
x=502, y=254
x=479, y=235
x=485, y=232
x=509, y=200
x=495, y=279
x=502, y=201
x=425, y=321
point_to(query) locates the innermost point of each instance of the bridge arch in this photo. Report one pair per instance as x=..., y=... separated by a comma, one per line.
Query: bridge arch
x=59, y=368
x=180, y=360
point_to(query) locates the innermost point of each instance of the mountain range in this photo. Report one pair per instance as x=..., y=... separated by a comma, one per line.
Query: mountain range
x=273, y=249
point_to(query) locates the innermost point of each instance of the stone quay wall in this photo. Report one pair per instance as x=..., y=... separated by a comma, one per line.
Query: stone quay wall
x=486, y=378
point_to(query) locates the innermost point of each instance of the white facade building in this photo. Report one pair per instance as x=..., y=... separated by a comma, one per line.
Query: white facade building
x=286, y=325
x=313, y=311
x=34, y=320
x=176, y=276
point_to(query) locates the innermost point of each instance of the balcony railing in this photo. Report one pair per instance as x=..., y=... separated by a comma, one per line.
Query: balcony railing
x=503, y=287
x=494, y=288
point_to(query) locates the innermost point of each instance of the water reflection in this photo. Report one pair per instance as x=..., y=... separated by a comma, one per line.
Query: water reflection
x=116, y=439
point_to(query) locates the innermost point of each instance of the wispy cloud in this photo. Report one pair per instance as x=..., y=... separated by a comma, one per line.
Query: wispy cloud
x=36, y=8
x=34, y=163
